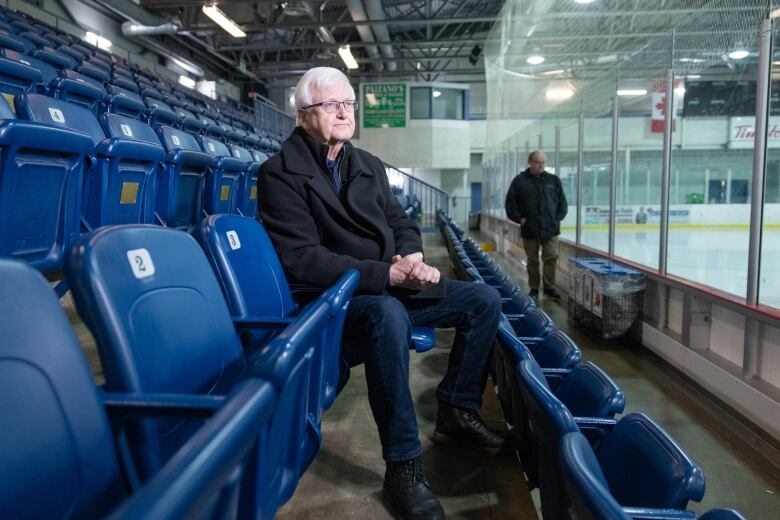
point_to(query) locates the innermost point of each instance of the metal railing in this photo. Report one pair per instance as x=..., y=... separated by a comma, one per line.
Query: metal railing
x=419, y=199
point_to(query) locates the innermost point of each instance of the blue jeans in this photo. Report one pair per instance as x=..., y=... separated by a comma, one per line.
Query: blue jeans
x=377, y=333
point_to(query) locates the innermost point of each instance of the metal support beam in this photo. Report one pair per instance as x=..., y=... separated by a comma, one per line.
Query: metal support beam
x=557, y=150
x=613, y=173
x=580, y=171
x=759, y=161
x=666, y=167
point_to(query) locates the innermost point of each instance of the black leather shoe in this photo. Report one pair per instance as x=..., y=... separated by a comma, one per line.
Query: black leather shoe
x=408, y=494
x=533, y=293
x=552, y=294
x=455, y=425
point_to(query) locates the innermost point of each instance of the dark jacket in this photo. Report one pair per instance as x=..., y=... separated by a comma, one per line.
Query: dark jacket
x=538, y=199
x=320, y=232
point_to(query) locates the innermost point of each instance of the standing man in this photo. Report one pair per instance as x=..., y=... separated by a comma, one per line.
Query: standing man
x=328, y=208
x=536, y=201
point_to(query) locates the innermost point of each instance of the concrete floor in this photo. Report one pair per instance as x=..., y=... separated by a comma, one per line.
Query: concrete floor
x=345, y=481
x=736, y=474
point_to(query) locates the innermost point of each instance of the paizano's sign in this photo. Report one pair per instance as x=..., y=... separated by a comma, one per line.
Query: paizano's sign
x=384, y=105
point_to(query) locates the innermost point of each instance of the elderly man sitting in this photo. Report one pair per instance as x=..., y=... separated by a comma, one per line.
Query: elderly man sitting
x=328, y=207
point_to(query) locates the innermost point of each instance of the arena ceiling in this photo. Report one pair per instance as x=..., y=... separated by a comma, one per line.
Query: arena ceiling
x=417, y=40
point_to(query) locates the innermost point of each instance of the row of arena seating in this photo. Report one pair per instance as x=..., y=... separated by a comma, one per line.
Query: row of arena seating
x=561, y=414
x=411, y=203
x=89, y=140
x=260, y=381
x=218, y=418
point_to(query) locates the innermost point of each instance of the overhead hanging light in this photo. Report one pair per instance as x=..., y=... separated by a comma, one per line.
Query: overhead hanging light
x=739, y=54
x=535, y=59
x=221, y=19
x=346, y=56
x=98, y=41
x=628, y=92
x=187, y=81
x=583, y=1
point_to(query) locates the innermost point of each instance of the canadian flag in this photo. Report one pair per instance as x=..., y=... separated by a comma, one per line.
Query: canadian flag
x=658, y=109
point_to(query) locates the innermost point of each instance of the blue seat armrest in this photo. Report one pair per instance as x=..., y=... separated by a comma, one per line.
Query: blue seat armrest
x=306, y=288
x=595, y=428
x=555, y=376
x=194, y=157
x=648, y=513
x=230, y=164
x=530, y=341
x=199, y=469
x=141, y=150
x=262, y=322
x=513, y=316
x=123, y=405
x=50, y=137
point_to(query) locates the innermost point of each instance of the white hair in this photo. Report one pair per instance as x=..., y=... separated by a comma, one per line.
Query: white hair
x=318, y=78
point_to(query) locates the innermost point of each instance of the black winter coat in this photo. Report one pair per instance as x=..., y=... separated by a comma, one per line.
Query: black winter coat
x=538, y=199
x=320, y=233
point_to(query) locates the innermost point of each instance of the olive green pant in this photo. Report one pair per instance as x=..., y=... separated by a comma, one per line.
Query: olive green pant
x=549, y=250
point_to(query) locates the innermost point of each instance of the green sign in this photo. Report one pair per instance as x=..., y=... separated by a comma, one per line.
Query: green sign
x=384, y=105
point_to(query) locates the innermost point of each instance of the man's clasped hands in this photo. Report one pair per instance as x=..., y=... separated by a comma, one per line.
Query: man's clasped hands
x=410, y=272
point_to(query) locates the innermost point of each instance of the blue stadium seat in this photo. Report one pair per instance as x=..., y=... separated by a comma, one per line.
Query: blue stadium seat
x=556, y=350
x=158, y=112
x=251, y=276
x=17, y=77
x=181, y=180
x=533, y=326
x=56, y=444
x=41, y=176
x=14, y=42
x=588, y=489
x=124, y=82
x=119, y=188
x=246, y=195
x=79, y=89
x=124, y=102
x=668, y=479
x=134, y=286
x=48, y=73
x=222, y=179
x=54, y=58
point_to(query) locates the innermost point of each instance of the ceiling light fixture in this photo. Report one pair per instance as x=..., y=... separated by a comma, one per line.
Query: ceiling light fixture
x=739, y=54
x=98, y=41
x=436, y=93
x=187, y=81
x=346, y=56
x=558, y=94
x=584, y=1
x=628, y=92
x=221, y=19
x=553, y=72
x=535, y=59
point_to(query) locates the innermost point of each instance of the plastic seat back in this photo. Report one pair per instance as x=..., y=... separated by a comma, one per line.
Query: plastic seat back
x=645, y=467
x=134, y=286
x=535, y=324
x=41, y=177
x=550, y=420
x=56, y=444
x=588, y=392
x=586, y=488
x=80, y=89
x=181, y=180
x=223, y=179
x=246, y=195
x=557, y=350
x=119, y=188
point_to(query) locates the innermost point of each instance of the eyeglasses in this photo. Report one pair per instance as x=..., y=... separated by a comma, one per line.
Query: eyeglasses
x=333, y=106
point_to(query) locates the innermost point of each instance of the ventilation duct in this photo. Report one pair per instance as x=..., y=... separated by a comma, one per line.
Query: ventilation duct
x=358, y=14
x=131, y=29
x=376, y=13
